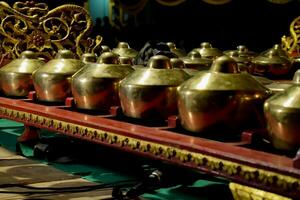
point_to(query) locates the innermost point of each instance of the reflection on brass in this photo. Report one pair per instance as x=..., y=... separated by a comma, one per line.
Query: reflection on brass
x=52, y=80
x=105, y=48
x=244, y=62
x=126, y=60
x=207, y=51
x=89, y=58
x=179, y=52
x=195, y=61
x=242, y=51
x=291, y=43
x=16, y=76
x=96, y=86
x=280, y=51
x=218, y=98
x=272, y=63
x=178, y=63
x=282, y=112
x=276, y=87
x=263, y=80
x=151, y=92
x=32, y=26
x=123, y=49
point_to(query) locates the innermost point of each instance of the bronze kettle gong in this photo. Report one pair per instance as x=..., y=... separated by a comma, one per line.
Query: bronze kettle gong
x=123, y=49
x=16, y=76
x=178, y=63
x=273, y=63
x=151, y=92
x=195, y=61
x=89, y=58
x=52, y=81
x=242, y=51
x=207, y=51
x=282, y=112
x=218, y=98
x=178, y=52
x=96, y=85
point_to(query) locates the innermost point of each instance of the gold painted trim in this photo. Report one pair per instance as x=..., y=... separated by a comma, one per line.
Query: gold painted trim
x=220, y=166
x=291, y=43
x=241, y=192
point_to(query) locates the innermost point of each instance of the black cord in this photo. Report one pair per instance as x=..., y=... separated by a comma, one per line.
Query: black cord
x=52, y=192
x=149, y=184
x=65, y=189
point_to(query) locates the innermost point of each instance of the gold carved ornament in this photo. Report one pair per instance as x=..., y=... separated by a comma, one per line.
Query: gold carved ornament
x=32, y=26
x=291, y=43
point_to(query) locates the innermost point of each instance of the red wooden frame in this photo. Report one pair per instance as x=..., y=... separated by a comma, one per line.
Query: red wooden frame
x=267, y=171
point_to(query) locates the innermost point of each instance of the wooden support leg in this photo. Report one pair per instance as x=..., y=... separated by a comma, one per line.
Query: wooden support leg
x=30, y=133
x=32, y=96
x=70, y=102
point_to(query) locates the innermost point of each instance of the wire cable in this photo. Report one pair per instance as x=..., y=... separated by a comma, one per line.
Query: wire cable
x=39, y=190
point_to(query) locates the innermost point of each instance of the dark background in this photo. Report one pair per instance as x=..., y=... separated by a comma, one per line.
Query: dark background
x=259, y=24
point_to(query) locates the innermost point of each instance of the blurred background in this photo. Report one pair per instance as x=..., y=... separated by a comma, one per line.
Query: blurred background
x=258, y=24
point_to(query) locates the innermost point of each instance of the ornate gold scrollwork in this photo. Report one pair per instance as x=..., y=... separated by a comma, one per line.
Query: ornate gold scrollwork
x=31, y=26
x=291, y=43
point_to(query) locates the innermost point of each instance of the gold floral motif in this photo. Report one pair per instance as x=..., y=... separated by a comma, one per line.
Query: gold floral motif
x=39, y=41
x=31, y=26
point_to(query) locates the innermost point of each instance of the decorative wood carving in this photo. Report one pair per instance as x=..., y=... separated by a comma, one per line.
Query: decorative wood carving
x=291, y=43
x=32, y=26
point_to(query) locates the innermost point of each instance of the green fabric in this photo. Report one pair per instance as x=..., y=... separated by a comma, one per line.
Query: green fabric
x=203, y=189
x=10, y=130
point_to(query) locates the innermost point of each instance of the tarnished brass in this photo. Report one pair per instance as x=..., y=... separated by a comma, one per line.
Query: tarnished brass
x=263, y=80
x=276, y=87
x=195, y=61
x=207, y=51
x=89, y=58
x=220, y=99
x=52, y=81
x=126, y=60
x=30, y=25
x=280, y=51
x=124, y=50
x=16, y=76
x=179, y=52
x=244, y=62
x=272, y=63
x=178, y=63
x=242, y=51
x=151, y=92
x=282, y=112
x=96, y=86
x=138, y=67
x=105, y=48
